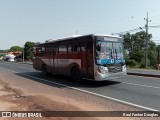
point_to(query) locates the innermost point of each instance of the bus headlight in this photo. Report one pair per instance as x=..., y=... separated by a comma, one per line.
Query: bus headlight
x=124, y=68
x=102, y=70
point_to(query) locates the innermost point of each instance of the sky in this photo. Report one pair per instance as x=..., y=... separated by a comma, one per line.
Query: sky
x=40, y=20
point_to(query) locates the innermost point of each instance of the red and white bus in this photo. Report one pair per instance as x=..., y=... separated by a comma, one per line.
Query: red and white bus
x=90, y=57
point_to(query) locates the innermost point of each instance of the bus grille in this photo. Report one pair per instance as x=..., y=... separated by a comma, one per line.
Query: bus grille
x=114, y=69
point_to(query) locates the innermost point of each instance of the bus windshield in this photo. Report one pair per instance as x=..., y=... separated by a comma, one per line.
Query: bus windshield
x=109, y=52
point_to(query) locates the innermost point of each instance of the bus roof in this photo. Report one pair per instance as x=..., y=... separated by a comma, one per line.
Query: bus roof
x=78, y=36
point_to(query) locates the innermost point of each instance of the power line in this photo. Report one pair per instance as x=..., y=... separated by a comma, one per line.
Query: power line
x=128, y=31
x=133, y=30
x=156, y=26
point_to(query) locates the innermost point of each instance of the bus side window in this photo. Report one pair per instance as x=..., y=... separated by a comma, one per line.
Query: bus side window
x=83, y=49
x=36, y=51
x=70, y=48
x=73, y=48
x=42, y=51
x=62, y=49
x=55, y=50
x=47, y=49
x=50, y=50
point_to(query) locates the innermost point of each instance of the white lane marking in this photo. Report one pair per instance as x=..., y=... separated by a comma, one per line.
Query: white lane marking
x=141, y=85
x=144, y=76
x=85, y=91
x=21, y=65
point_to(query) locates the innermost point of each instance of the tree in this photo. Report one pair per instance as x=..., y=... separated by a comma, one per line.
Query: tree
x=158, y=54
x=127, y=42
x=135, y=41
x=135, y=44
x=158, y=47
x=137, y=55
x=28, y=50
x=152, y=53
x=15, y=49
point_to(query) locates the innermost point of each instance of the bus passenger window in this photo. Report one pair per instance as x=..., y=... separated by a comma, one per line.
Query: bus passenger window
x=47, y=49
x=43, y=49
x=73, y=48
x=62, y=49
x=55, y=50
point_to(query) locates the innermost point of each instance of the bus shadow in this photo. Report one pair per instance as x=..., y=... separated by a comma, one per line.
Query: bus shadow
x=100, y=83
x=63, y=81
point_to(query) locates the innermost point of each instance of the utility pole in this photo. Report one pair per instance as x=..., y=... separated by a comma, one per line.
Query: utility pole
x=146, y=40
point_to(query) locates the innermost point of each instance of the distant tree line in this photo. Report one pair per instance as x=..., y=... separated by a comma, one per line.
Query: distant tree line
x=28, y=50
x=134, y=50
x=3, y=51
x=15, y=49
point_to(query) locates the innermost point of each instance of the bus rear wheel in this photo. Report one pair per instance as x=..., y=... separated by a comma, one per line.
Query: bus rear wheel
x=75, y=74
x=44, y=70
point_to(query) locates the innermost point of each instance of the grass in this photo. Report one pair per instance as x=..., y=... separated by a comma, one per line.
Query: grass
x=138, y=67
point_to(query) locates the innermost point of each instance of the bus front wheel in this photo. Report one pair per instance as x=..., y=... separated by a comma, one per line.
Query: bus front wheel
x=75, y=74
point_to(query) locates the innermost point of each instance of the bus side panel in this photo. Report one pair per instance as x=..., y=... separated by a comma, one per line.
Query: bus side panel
x=62, y=63
x=83, y=61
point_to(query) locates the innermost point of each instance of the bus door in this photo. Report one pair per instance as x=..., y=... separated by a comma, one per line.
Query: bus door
x=87, y=61
x=50, y=58
x=83, y=60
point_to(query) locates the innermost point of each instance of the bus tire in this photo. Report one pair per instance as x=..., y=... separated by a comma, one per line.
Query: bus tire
x=44, y=70
x=75, y=74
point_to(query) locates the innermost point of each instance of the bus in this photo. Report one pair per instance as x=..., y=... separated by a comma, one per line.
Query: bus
x=89, y=57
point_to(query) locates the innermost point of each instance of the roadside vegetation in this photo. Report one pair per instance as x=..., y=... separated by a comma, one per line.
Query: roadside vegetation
x=134, y=50
x=28, y=50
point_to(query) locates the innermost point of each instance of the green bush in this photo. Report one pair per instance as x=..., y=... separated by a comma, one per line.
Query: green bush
x=136, y=55
x=132, y=63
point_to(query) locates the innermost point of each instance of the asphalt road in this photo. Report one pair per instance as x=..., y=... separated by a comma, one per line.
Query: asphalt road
x=141, y=92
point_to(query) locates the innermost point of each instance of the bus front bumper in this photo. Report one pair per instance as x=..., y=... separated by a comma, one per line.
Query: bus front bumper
x=109, y=76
